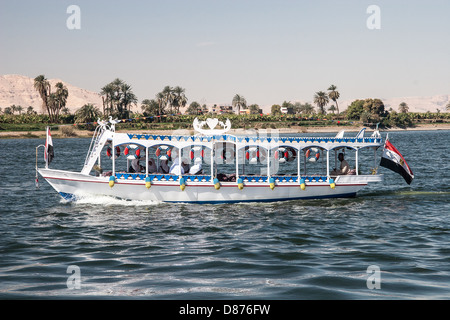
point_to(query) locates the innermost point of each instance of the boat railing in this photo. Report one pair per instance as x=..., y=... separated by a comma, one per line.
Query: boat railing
x=94, y=142
x=284, y=178
x=207, y=178
x=162, y=177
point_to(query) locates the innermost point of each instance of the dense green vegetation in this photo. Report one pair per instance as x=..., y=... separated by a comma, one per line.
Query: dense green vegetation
x=38, y=122
x=163, y=112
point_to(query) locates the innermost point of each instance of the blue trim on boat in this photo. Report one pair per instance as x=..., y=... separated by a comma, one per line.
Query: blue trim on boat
x=68, y=196
x=227, y=137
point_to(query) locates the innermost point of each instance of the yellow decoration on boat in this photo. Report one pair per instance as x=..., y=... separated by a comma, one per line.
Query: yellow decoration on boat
x=332, y=184
x=302, y=184
x=240, y=184
x=148, y=184
x=216, y=184
x=272, y=183
x=112, y=181
x=182, y=184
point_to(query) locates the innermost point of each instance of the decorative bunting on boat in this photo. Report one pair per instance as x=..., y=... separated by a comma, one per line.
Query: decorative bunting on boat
x=253, y=139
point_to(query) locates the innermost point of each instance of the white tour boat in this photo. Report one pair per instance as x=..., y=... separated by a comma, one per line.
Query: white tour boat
x=216, y=167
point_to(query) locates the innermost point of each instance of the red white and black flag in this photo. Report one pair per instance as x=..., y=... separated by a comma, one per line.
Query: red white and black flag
x=393, y=160
x=49, y=154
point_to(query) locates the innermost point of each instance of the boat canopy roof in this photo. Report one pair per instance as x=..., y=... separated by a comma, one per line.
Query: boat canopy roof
x=208, y=137
x=267, y=142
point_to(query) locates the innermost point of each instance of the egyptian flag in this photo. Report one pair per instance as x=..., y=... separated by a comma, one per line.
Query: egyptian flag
x=49, y=155
x=392, y=159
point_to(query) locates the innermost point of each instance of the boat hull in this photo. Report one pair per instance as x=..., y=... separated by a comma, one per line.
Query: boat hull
x=72, y=185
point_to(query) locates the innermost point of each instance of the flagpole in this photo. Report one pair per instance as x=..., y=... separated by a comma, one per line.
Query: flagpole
x=46, y=148
x=37, y=176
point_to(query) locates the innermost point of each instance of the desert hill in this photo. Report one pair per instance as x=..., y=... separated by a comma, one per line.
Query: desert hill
x=19, y=90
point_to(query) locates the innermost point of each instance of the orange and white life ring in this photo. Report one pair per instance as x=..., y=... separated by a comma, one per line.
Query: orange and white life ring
x=282, y=155
x=163, y=153
x=312, y=154
x=252, y=155
x=255, y=154
x=129, y=149
x=109, y=152
x=197, y=153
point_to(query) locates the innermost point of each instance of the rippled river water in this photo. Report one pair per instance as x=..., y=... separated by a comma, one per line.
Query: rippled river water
x=314, y=249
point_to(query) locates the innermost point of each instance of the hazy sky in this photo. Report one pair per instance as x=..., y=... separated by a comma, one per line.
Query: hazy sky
x=268, y=51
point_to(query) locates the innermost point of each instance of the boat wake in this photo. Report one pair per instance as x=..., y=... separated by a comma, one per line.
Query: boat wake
x=103, y=200
x=396, y=193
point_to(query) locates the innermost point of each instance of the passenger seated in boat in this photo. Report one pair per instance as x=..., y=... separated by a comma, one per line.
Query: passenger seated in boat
x=226, y=177
x=343, y=169
x=135, y=166
x=222, y=177
x=175, y=168
x=164, y=167
x=196, y=168
x=185, y=165
x=151, y=166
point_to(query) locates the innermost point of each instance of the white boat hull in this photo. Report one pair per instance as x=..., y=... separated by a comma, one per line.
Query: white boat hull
x=72, y=185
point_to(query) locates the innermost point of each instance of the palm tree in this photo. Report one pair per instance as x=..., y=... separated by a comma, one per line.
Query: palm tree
x=118, y=98
x=13, y=108
x=107, y=93
x=160, y=100
x=334, y=95
x=116, y=107
x=321, y=99
x=61, y=98
x=180, y=99
x=51, y=105
x=447, y=107
x=30, y=110
x=87, y=113
x=403, y=107
x=332, y=108
x=42, y=86
x=149, y=107
x=239, y=102
x=307, y=108
x=128, y=98
x=168, y=97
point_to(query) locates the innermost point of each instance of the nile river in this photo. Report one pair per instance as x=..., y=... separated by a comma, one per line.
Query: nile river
x=391, y=242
